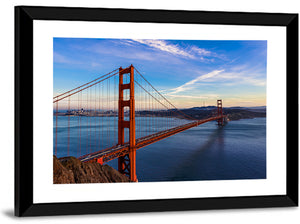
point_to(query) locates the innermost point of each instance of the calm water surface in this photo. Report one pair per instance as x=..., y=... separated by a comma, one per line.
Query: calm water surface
x=206, y=152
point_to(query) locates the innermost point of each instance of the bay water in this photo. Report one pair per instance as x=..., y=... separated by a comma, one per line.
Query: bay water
x=206, y=152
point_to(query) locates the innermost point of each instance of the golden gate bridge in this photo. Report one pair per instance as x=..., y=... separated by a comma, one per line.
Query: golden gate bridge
x=116, y=114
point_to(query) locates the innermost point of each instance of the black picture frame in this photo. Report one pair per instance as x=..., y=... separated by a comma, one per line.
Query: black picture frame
x=24, y=17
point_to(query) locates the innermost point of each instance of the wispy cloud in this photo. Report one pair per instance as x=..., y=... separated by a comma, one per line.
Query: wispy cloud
x=189, y=52
x=165, y=47
x=58, y=58
x=66, y=61
x=191, y=84
x=255, y=82
x=253, y=75
x=238, y=76
x=206, y=96
x=160, y=50
x=201, y=51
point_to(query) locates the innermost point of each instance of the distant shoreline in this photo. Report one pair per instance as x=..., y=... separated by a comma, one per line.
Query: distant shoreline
x=197, y=113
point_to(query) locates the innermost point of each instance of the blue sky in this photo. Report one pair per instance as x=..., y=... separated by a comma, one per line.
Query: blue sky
x=188, y=72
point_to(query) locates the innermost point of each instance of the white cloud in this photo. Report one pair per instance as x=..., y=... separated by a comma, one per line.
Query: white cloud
x=220, y=77
x=200, y=51
x=164, y=46
x=255, y=82
x=190, y=52
x=189, y=85
x=206, y=96
x=245, y=77
x=61, y=59
x=58, y=58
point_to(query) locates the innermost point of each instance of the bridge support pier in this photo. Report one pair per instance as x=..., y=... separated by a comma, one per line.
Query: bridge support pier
x=127, y=163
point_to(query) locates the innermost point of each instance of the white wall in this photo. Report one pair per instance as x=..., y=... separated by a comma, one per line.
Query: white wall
x=272, y=215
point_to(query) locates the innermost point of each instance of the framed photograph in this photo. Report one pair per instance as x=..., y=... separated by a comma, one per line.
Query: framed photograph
x=122, y=110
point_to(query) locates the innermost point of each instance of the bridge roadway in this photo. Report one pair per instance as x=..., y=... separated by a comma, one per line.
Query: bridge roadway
x=116, y=151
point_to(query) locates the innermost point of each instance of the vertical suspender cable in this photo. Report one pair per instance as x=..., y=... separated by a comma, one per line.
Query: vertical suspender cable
x=115, y=110
x=77, y=113
x=100, y=113
x=95, y=119
x=69, y=114
x=107, y=123
x=80, y=123
x=56, y=112
x=87, y=121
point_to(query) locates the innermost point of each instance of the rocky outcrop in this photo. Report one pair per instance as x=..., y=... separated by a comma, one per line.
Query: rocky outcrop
x=69, y=170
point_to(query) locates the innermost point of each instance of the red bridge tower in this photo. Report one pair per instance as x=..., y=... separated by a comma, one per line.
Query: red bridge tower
x=127, y=163
x=220, y=113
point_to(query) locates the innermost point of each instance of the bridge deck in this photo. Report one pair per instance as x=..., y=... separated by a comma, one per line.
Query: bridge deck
x=121, y=150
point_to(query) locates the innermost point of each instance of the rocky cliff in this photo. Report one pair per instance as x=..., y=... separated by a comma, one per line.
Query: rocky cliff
x=70, y=170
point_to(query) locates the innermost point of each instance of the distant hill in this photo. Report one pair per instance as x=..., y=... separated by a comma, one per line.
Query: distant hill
x=237, y=114
x=256, y=109
x=203, y=108
x=234, y=113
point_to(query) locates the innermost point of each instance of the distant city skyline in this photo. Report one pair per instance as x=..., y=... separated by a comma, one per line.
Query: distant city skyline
x=190, y=73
